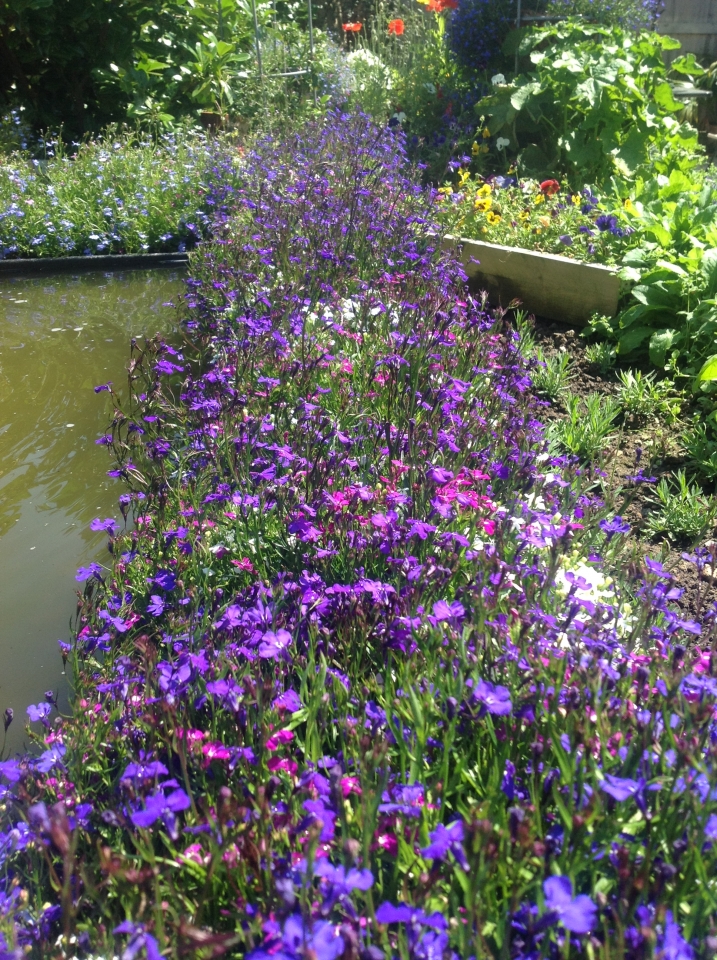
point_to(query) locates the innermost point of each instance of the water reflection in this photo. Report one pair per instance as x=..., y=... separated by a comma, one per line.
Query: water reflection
x=58, y=338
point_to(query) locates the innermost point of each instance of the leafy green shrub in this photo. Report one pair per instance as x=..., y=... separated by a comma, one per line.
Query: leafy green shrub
x=595, y=103
x=633, y=14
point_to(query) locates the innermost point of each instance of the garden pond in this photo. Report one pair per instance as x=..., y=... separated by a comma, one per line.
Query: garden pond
x=60, y=335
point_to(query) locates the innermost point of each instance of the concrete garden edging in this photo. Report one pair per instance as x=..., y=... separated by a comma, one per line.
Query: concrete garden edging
x=546, y=284
x=119, y=261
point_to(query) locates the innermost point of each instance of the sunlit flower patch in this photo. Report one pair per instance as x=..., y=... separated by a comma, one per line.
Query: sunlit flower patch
x=366, y=680
x=536, y=215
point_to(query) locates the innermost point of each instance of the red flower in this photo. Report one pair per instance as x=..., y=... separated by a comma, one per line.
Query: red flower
x=549, y=187
x=351, y=27
x=396, y=27
x=440, y=6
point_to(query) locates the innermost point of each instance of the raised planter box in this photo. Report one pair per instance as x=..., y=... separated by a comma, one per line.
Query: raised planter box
x=118, y=261
x=545, y=284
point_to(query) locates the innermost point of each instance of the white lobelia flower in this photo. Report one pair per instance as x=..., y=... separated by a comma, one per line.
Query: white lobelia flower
x=501, y=143
x=497, y=79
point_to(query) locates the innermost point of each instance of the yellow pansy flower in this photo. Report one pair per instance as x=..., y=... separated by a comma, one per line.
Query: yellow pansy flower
x=483, y=203
x=484, y=191
x=492, y=218
x=446, y=191
x=539, y=199
x=475, y=148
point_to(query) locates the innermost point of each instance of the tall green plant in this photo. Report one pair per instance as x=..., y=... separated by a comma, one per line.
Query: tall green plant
x=594, y=102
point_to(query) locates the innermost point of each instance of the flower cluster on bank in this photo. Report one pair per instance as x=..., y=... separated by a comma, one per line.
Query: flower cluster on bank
x=120, y=194
x=359, y=680
x=538, y=215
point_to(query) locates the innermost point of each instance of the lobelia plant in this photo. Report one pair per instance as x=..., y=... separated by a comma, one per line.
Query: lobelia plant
x=357, y=680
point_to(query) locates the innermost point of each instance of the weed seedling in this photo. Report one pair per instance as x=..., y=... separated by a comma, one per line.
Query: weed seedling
x=682, y=511
x=642, y=397
x=551, y=376
x=701, y=447
x=601, y=357
x=589, y=421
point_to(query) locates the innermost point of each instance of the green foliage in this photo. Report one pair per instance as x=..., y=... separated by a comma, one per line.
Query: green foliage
x=80, y=65
x=682, y=513
x=701, y=448
x=596, y=102
x=601, y=356
x=588, y=423
x=552, y=374
x=641, y=396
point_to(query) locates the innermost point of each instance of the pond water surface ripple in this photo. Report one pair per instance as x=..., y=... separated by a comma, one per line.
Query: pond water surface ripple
x=59, y=337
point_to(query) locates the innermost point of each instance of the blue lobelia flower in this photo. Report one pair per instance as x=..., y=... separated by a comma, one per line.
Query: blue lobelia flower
x=576, y=914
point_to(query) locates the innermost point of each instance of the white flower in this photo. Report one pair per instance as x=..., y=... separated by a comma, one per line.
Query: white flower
x=501, y=143
x=497, y=79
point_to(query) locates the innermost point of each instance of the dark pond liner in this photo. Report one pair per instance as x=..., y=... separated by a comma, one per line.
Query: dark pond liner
x=121, y=261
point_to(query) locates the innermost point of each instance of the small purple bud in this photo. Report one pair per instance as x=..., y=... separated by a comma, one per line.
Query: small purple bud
x=8, y=717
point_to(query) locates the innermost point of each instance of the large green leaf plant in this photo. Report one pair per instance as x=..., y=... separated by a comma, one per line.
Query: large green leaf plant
x=594, y=102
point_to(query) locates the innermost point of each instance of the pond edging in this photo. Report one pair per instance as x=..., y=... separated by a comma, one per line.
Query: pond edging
x=118, y=261
x=546, y=284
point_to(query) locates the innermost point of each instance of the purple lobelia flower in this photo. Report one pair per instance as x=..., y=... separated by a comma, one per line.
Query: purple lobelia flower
x=39, y=712
x=576, y=914
x=403, y=913
x=109, y=525
x=156, y=605
x=672, y=945
x=616, y=525
x=87, y=573
x=319, y=940
x=50, y=758
x=621, y=788
x=445, y=840
x=273, y=644
x=160, y=806
x=443, y=610
x=340, y=881
x=139, y=940
x=494, y=699
x=165, y=579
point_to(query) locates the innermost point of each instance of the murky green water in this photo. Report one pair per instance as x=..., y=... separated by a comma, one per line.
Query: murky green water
x=59, y=336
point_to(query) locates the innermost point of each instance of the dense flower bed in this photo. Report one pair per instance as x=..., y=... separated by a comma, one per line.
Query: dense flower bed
x=120, y=194
x=539, y=216
x=358, y=682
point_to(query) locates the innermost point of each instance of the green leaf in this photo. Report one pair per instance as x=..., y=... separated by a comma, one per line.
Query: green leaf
x=708, y=269
x=632, y=339
x=664, y=98
x=669, y=43
x=660, y=342
x=709, y=370
x=523, y=94
x=687, y=64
